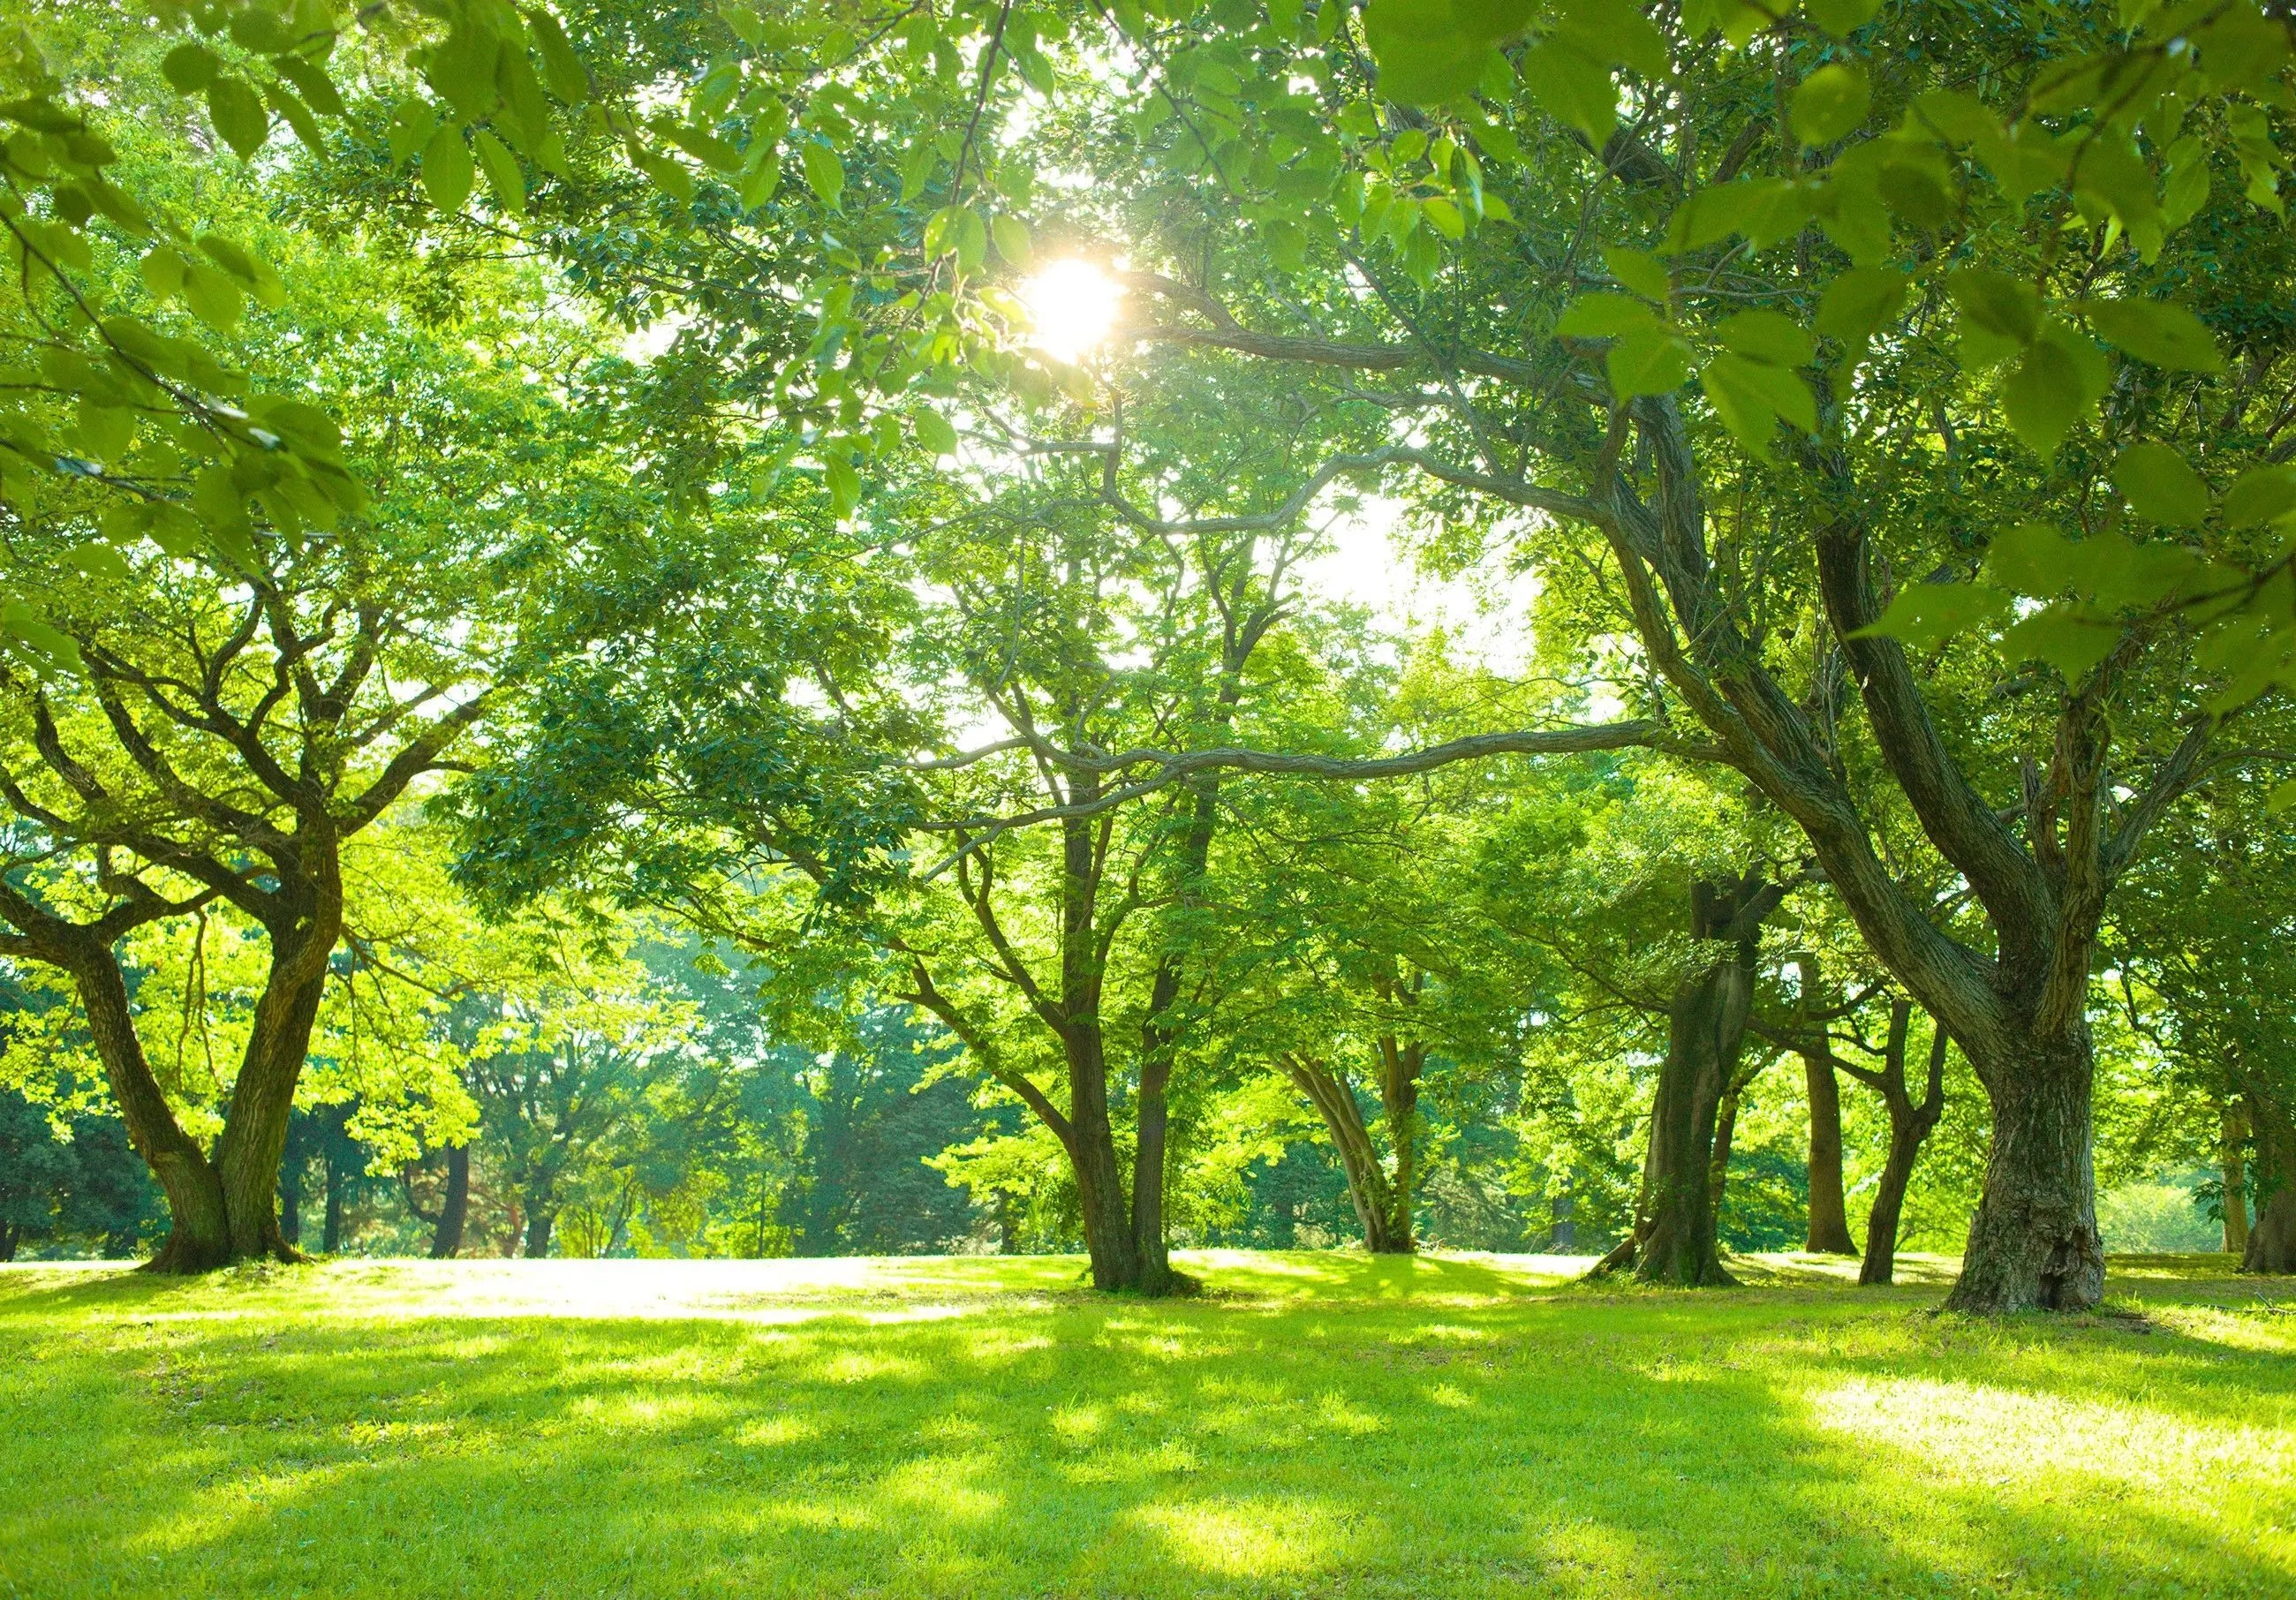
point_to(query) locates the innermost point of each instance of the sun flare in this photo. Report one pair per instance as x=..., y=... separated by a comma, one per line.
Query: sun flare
x=1071, y=307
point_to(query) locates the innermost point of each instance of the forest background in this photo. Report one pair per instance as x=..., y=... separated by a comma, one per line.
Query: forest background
x=648, y=630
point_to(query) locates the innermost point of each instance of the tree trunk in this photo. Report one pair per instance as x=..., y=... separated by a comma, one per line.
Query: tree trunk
x=1673, y=1240
x=538, y=1223
x=2033, y=1245
x=263, y=1096
x=2272, y=1239
x=9, y=1235
x=199, y=1234
x=1150, y=1248
x=1368, y=1190
x=455, y=1208
x=1399, y=1094
x=2236, y=1179
x=1829, y=1210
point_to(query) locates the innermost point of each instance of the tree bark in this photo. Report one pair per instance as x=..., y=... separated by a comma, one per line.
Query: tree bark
x=455, y=1207
x=1909, y=1125
x=2033, y=1245
x=538, y=1223
x=1829, y=1210
x=263, y=1094
x=1368, y=1188
x=199, y=1234
x=2235, y=1140
x=1673, y=1240
x=2272, y=1239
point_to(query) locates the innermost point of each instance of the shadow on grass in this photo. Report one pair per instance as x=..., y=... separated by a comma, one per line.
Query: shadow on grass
x=1767, y=1443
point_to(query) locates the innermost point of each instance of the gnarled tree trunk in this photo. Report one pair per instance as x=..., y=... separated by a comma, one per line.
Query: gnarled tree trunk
x=1829, y=1210
x=2272, y=1239
x=1673, y=1240
x=1381, y=1210
x=2033, y=1244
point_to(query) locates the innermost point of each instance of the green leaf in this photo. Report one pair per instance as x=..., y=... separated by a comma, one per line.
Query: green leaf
x=1639, y=271
x=1927, y=614
x=1010, y=235
x=2008, y=307
x=2259, y=496
x=1859, y=304
x=2033, y=560
x=2155, y=330
x=2064, y=638
x=1750, y=396
x=760, y=182
x=238, y=114
x=971, y=241
x=2159, y=487
x=1575, y=87
x=1768, y=336
x=412, y=123
x=1652, y=362
x=49, y=648
x=1829, y=104
x=2055, y=384
x=503, y=175
x=214, y=297
x=97, y=561
x=190, y=68
x=1841, y=18
x=844, y=482
x=824, y=174
x=934, y=432
x=1604, y=316
x=448, y=173
x=1287, y=243
x=561, y=68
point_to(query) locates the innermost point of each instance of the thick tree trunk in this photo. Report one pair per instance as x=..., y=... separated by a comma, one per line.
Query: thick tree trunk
x=9, y=1235
x=199, y=1234
x=2033, y=1245
x=1829, y=1210
x=1101, y=1195
x=454, y=1208
x=263, y=1099
x=1150, y=1248
x=538, y=1223
x=2233, y=1167
x=1674, y=1241
x=1368, y=1189
x=2272, y=1239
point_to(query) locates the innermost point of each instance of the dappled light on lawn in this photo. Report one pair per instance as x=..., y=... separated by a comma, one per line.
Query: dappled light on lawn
x=1326, y=1424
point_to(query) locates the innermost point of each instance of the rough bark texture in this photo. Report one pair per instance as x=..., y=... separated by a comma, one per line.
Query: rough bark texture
x=2033, y=1245
x=2272, y=1237
x=1829, y=1210
x=538, y=1224
x=1673, y=1240
x=199, y=1235
x=454, y=1206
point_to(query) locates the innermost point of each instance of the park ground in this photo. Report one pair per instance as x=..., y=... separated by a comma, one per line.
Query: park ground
x=1319, y=1424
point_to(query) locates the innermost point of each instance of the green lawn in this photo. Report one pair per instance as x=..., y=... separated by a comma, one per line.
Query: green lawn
x=1314, y=1424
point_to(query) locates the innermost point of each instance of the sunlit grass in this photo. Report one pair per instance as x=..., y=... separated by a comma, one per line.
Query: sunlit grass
x=1312, y=1424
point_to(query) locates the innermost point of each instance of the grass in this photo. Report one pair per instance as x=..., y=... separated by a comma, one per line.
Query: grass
x=1313, y=1424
